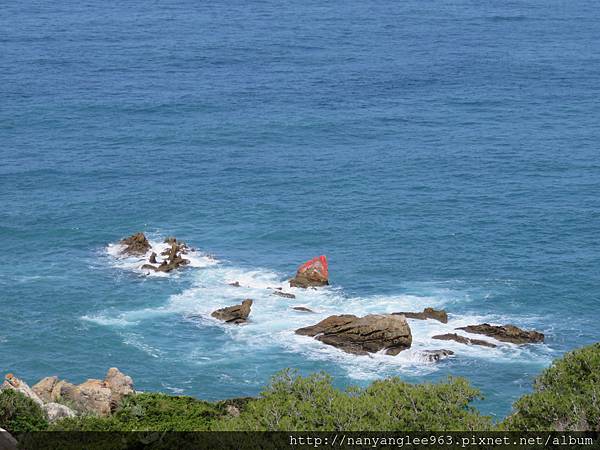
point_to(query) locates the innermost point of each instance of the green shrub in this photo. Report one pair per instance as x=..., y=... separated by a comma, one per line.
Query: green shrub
x=19, y=413
x=295, y=403
x=149, y=412
x=566, y=396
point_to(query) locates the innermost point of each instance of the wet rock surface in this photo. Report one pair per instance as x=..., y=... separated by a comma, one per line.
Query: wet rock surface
x=362, y=335
x=506, y=333
x=283, y=294
x=463, y=340
x=236, y=314
x=428, y=313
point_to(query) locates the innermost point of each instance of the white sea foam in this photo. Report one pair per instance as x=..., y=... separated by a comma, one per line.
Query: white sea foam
x=272, y=322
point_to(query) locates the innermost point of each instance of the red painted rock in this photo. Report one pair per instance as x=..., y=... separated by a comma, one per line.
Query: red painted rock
x=312, y=273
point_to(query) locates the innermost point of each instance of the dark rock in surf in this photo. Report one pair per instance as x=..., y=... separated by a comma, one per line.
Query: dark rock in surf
x=463, y=340
x=236, y=314
x=136, y=244
x=302, y=309
x=235, y=284
x=506, y=333
x=283, y=294
x=428, y=313
x=312, y=273
x=362, y=335
x=152, y=258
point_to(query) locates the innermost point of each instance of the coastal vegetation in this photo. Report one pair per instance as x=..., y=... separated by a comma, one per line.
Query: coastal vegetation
x=566, y=396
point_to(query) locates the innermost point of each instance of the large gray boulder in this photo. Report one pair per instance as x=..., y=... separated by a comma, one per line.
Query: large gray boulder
x=56, y=411
x=362, y=335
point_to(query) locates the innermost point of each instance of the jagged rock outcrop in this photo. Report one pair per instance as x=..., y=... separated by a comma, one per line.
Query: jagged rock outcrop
x=236, y=314
x=120, y=385
x=7, y=441
x=302, y=309
x=463, y=340
x=45, y=387
x=56, y=411
x=435, y=355
x=428, y=313
x=312, y=273
x=173, y=259
x=283, y=294
x=14, y=383
x=92, y=397
x=136, y=244
x=506, y=333
x=362, y=335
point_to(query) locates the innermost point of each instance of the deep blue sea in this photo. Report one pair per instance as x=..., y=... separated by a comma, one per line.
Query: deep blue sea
x=441, y=154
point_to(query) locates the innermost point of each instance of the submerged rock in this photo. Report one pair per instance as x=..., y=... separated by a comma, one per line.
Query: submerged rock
x=428, y=313
x=15, y=384
x=436, y=355
x=136, y=244
x=312, y=273
x=234, y=314
x=506, y=333
x=283, y=294
x=302, y=309
x=463, y=340
x=362, y=335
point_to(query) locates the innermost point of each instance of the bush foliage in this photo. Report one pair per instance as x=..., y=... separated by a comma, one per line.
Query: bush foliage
x=566, y=396
x=19, y=413
x=293, y=403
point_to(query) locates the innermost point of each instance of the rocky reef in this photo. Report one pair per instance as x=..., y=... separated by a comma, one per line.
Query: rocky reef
x=506, y=333
x=136, y=244
x=362, y=335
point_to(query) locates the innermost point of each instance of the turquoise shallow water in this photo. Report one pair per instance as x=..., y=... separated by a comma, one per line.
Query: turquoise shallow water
x=441, y=154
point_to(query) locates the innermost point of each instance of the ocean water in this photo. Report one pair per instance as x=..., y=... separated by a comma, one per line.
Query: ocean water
x=441, y=154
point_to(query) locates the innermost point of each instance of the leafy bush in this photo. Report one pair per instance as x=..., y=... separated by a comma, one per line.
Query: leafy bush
x=295, y=403
x=19, y=413
x=566, y=396
x=149, y=411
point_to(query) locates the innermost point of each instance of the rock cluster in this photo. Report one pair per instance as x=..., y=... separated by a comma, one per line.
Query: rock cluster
x=236, y=314
x=506, y=333
x=362, y=335
x=312, y=273
x=92, y=397
x=428, y=313
x=136, y=244
x=173, y=258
